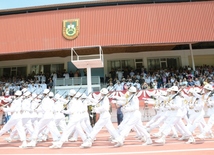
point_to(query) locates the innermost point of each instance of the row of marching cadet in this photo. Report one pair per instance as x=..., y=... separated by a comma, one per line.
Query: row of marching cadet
x=36, y=118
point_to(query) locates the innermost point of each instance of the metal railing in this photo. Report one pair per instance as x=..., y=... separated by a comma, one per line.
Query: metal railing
x=95, y=80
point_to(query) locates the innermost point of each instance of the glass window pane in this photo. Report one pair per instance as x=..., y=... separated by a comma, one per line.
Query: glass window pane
x=138, y=60
x=21, y=71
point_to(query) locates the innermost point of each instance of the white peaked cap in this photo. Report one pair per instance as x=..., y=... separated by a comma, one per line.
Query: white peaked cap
x=72, y=92
x=132, y=89
x=46, y=91
x=104, y=91
x=174, y=88
x=51, y=94
x=208, y=87
x=18, y=93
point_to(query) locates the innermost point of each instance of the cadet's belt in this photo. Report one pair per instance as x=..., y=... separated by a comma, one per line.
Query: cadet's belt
x=171, y=109
x=197, y=110
x=57, y=112
x=16, y=112
x=25, y=111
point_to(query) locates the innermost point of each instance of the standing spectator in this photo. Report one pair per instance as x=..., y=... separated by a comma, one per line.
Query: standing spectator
x=119, y=74
x=54, y=77
x=71, y=74
x=77, y=73
x=131, y=73
x=66, y=75
x=112, y=73
x=1, y=91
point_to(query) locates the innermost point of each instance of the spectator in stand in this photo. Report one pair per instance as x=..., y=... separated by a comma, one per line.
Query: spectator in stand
x=126, y=73
x=145, y=86
x=118, y=86
x=1, y=91
x=160, y=81
x=71, y=74
x=66, y=75
x=54, y=77
x=110, y=87
x=185, y=82
x=197, y=82
x=147, y=79
x=112, y=73
x=119, y=74
x=132, y=73
x=190, y=82
x=137, y=85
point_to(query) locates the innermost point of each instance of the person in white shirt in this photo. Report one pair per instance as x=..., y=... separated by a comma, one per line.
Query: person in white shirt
x=119, y=74
x=118, y=86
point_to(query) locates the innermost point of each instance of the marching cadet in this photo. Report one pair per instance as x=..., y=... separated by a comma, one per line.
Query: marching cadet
x=174, y=118
x=196, y=109
x=102, y=107
x=160, y=109
x=25, y=115
x=59, y=117
x=74, y=121
x=15, y=119
x=85, y=122
x=164, y=97
x=134, y=118
x=47, y=107
x=208, y=99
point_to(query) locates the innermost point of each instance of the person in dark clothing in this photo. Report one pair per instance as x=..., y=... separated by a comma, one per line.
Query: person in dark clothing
x=119, y=114
x=112, y=73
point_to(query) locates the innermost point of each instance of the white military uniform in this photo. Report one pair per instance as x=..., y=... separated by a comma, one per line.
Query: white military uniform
x=209, y=100
x=175, y=114
x=134, y=117
x=15, y=119
x=74, y=122
x=47, y=107
x=102, y=107
x=85, y=122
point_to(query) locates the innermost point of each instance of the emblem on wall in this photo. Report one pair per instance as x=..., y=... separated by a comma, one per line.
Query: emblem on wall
x=70, y=28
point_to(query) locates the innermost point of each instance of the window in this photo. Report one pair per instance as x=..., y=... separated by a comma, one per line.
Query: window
x=163, y=63
x=14, y=71
x=48, y=68
x=120, y=64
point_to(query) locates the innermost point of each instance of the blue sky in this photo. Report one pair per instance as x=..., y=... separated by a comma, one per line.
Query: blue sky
x=11, y=4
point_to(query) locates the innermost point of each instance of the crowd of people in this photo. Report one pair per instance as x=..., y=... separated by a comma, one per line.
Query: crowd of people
x=38, y=115
x=155, y=79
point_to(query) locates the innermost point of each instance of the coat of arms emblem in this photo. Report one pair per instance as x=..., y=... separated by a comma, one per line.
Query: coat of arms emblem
x=70, y=28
